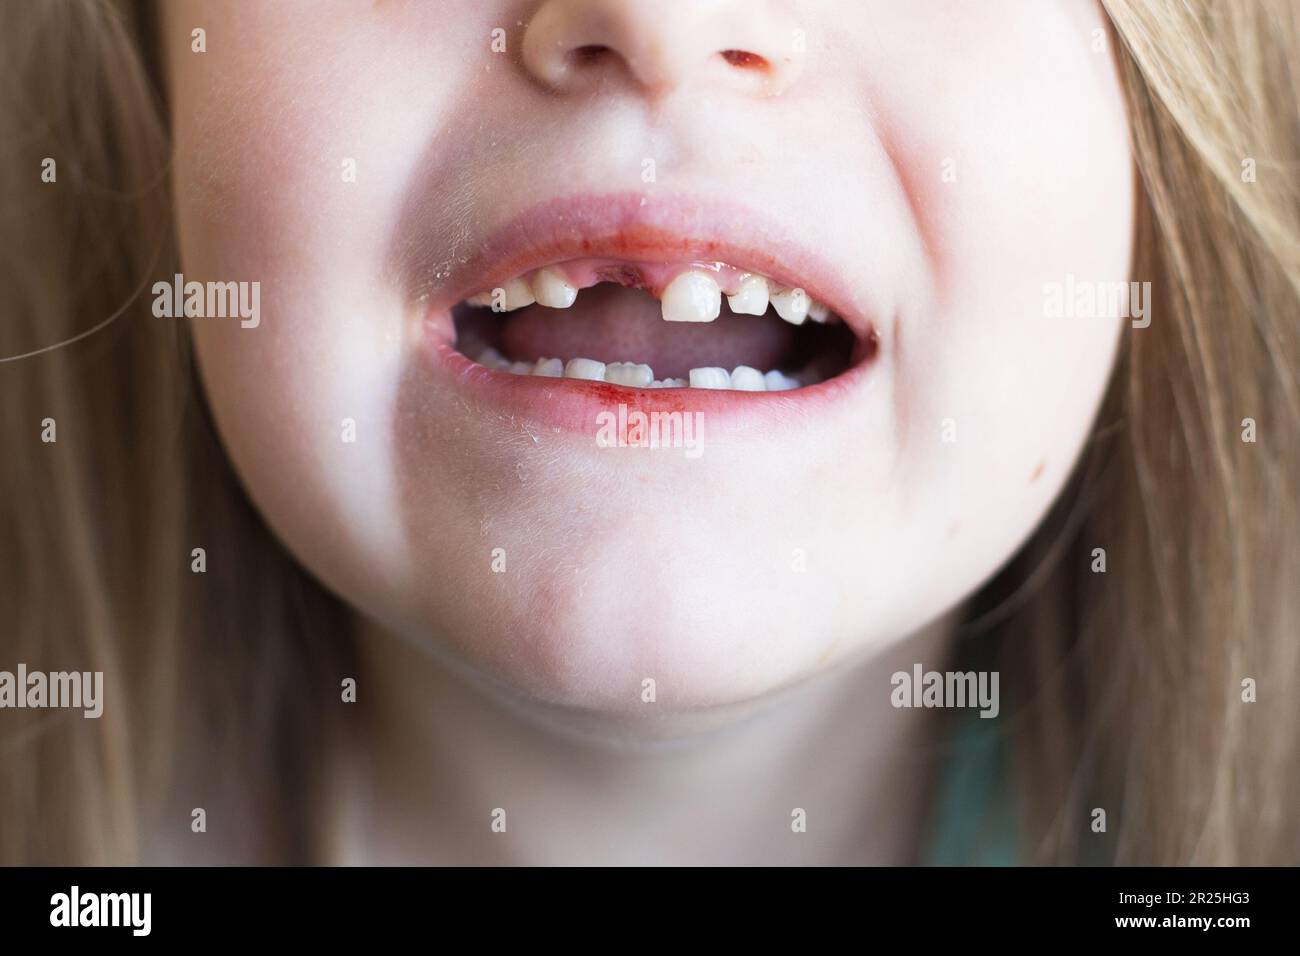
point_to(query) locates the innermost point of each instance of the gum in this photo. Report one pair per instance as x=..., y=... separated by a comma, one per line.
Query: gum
x=653, y=277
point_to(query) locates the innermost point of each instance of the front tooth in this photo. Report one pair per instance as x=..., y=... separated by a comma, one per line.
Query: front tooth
x=670, y=383
x=521, y=368
x=710, y=378
x=629, y=374
x=818, y=311
x=692, y=297
x=517, y=295
x=746, y=379
x=779, y=381
x=493, y=359
x=752, y=298
x=584, y=368
x=791, y=305
x=553, y=290
x=549, y=368
x=482, y=300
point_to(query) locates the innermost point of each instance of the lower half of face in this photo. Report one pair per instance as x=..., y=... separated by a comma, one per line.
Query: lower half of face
x=596, y=344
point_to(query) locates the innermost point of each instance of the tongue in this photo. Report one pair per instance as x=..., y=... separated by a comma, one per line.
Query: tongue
x=612, y=324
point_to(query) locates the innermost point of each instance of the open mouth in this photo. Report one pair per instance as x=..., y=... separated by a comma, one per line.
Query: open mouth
x=642, y=325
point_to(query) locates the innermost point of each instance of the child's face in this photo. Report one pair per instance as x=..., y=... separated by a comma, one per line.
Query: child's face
x=924, y=168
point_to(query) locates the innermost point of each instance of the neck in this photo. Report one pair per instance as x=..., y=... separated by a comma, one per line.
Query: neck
x=442, y=757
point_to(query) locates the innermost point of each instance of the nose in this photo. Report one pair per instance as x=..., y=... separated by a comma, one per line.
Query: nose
x=752, y=47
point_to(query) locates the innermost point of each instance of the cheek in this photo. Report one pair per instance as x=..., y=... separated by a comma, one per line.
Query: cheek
x=1022, y=183
x=1013, y=152
x=274, y=183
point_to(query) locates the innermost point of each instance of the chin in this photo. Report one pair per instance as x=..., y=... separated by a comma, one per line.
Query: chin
x=638, y=626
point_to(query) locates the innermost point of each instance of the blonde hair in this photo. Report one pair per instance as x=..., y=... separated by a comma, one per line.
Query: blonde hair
x=1130, y=681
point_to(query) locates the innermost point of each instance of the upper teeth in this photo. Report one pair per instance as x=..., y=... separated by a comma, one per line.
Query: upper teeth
x=553, y=290
x=518, y=294
x=752, y=298
x=791, y=305
x=693, y=296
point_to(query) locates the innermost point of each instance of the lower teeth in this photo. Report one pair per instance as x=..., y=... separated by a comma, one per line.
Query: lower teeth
x=634, y=375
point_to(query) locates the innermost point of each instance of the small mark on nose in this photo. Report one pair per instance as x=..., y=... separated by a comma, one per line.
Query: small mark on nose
x=1038, y=472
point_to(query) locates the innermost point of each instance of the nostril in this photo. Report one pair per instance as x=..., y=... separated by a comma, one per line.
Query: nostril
x=654, y=50
x=589, y=54
x=744, y=60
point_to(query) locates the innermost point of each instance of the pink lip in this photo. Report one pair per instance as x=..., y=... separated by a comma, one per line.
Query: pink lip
x=632, y=226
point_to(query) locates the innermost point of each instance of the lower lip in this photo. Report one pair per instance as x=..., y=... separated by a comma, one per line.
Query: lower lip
x=575, y=405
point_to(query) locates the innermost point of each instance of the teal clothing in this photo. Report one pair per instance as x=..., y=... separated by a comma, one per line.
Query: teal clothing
x=974, y=817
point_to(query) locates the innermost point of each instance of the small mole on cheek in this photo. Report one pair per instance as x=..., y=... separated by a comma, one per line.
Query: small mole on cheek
x=1038, y=472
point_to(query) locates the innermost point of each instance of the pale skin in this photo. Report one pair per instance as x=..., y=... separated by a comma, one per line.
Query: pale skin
x=946, y=161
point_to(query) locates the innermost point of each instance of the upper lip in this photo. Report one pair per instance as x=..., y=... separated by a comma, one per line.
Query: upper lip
x=637, y=227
